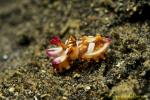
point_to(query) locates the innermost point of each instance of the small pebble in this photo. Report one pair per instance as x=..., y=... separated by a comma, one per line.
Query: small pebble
x=35, y=98
x=76, y=75
x=120, y=63
x=43, y=71
x=64, y=98
x=5, y=57
x=87, y=88
x=16, y=94
x=11, y=89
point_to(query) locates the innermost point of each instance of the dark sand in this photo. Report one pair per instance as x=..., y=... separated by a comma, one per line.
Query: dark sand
x=26, y=26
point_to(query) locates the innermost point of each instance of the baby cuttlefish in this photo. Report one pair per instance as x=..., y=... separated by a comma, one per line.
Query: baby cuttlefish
x=86, y=48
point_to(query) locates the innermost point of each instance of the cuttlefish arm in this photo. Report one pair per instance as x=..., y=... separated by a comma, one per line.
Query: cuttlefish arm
x=52, y=52
x=61, y=62
x=91, y=54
